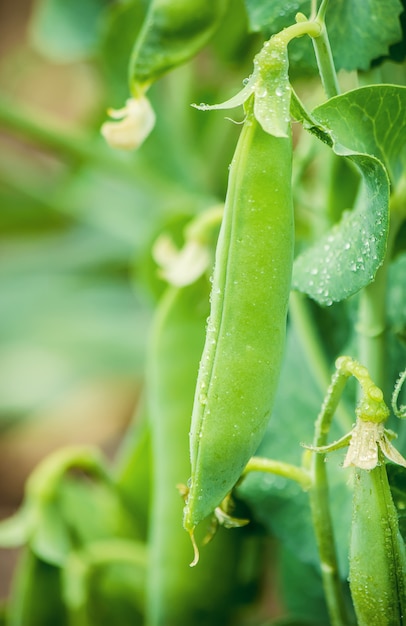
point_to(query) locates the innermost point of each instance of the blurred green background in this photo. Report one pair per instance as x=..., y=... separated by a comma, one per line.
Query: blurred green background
x=77, y=220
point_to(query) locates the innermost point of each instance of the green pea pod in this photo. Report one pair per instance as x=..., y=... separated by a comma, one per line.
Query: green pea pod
x=245, y=337
x=175, y=593
x=173, y=32
x=377, y=553
x=36, y=594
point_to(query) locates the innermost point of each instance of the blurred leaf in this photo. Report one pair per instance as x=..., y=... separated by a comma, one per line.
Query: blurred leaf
x=114, y=595
x=122, y=23
x=274, y=15
x=66, y=32
x=16, y=530
x=290, y=621
x=111, y=558
x=57, y=330
x=144, y=199
x=95, y=511
x=50, y=540
x=397, y=297
x=302, y=591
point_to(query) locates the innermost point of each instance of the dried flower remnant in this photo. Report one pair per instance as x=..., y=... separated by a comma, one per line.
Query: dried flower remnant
x=369, y=438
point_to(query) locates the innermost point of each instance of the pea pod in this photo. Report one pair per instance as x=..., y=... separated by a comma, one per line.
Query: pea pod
x=175, y=594
x=33, y=582
x=245, y=337
x=377, y=552
x=173, y=32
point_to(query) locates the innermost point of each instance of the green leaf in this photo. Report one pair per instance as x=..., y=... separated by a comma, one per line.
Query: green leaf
x=366, y=125
x=274, y=15
x=51, y=540
x=359, y=32
x=397, y=296
x=66, y=32
x=301, y=590
x=369, y=120
x=362, y=31
x=120, y=28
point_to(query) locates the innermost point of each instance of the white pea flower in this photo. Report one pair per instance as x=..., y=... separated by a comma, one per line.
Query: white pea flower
x=135, y=122
x=181, y=267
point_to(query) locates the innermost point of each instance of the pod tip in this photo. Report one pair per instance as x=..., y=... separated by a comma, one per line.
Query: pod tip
x=196, y=554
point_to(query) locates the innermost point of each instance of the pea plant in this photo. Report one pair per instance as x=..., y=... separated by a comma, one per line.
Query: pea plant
x=262, y=481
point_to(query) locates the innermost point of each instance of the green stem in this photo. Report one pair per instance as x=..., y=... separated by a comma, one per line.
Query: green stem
x=279, y=468
x=305, y=27
x=306, y=331
x=371, y=327
x=319, y=502
x=45, y=132
x=324, y=56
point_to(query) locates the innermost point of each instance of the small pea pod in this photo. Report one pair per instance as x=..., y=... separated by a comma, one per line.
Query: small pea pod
x=175, y=594
x=245, y=337
x=173, y=32
x=377, y=552
x=36, y=594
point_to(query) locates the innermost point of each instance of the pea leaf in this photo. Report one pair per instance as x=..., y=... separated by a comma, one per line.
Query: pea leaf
x=120, y=28
x=369, y=120
x=397, y=297
x=66, y=32
x=368, y=126
x=302, y=591
x=362, y=31
x=359, y=32
x=51, y=540
x=274, y=15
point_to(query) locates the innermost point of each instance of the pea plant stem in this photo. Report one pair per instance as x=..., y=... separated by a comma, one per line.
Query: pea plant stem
x=71, y=145
x=279, y=468
x=324, y=55
x=319, y=502
x=371, y=327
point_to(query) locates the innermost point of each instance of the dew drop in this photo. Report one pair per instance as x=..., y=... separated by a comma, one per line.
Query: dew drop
x=261, y=91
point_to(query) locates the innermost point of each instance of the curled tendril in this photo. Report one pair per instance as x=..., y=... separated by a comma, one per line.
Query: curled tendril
x=399, y=411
